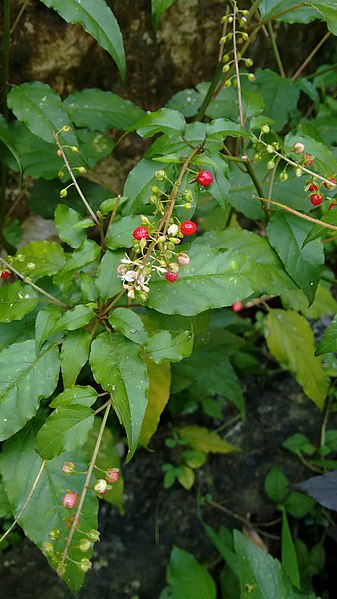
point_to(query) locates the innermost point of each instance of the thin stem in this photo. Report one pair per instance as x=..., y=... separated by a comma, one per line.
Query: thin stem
x=237, y=69
x=275, y=49
x=283, y=12
x=17, y=518
x=256, y=182
x=311, y=55
x=79, y=191
x=86, y=486
x=247, y=522
x=112, y=303
x=5, y=55
x=103, y=406
x=300, y=214
x=21, y=11
x=272, y=179
x=172, y=199
x=325, y=420
x=29, y=282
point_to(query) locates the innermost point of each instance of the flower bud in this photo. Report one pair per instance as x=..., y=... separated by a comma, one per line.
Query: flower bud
x=270, y=149
x=59, y=153
x=298, y=172
x=270, y=165
x=112, y=475
x=54, y=534
x=156, y=190
x=173, y=230
x=74, y=149
x=82, y=170
x=84, y=565
x=101, y=486
x=183, y=259
x=70, y=500
x=298, y=148
x=63, y=193
x=160, y=175
x=93, y=535
x=84, y=545
x=68, y=468
x=265, y=129
x=47, y=548
x=283, y=176
x=66, y=128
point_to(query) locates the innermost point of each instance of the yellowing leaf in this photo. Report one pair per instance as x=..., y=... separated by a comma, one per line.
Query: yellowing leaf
x=291, y=341
x=159, y=393
x=204, y=440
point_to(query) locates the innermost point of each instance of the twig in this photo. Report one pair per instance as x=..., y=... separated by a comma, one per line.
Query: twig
x=21, y=11
x=300, y=214
x=275, y=49
x=79, y=191
x=311, y=55
x=85, y=487
x=53, y=299
x=17, y=518
x=237, y=70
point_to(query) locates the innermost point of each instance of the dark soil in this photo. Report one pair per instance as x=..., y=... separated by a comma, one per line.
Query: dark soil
x=131, y=559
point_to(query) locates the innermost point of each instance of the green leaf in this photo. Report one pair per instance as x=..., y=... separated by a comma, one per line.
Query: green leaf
x=280, y=96
x=83, y=396
x=269, y=8
x=223, y=545
x=88, y=287
x=138, y=185
x=328, y=10
x=276, y=485
x=16, y=300
x=261, y=575
x=158, y=8
x=74, y=355
x=221, y=128
x=205, y=440
x=184, y=573
x=320, y=231
x=130, y=324
x=101, y=110
x=19, y=456
x=119, y=233
x=289, y=556
x=6, y=138
x=38, y=106
x=325, y=160
x=16, y=331
x=25, y=378
x=39, y=259
x=187, y=101
x=216, y=278
x=88, y=252
x=159, y=393
x=185, y=476
x=45, y=323
x=107, y=281
x=65, y=220
x=328, y=343
x=12, y=231
x=164, y=120
x=67, y=428
x=74, y=319
x=323, y=305
x=169, y=346
x=96, y=19
x=291, y=341
x=117, y=366
x=286, y=233
x=299, y=442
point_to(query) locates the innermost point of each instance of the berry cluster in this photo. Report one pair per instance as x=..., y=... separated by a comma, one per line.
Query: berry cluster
x=316, y=197
x=154, y=243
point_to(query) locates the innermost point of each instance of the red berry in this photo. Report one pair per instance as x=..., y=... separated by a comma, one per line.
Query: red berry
x=112, y=475
x=171, y=276
x=332, y=181
x=332, y=206
x=141, y=233
x=315, y=199
x=4, y=274
x=237, y=306
x=205, y=178
x=70, y=499
x=312, y=187
x=188, y=227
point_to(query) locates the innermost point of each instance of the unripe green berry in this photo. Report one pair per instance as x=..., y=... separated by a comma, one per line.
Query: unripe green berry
x=283, y=176
x=54, y=534
x=248, y=62
x=228, y=83
x=156, y=190
x=93, y=535
x=84, y=565
x=225, y=68
x=257, y=157
x=47, y=548
x=82, y=170
x=66, y=128
x=63, y=193
x=270, y=149
x=84, y=545
x=265, y=129
x=270, y=165
x=245, y=36
x=298, y=172
x=160, y=175
x=251, y=77
x=74, y=149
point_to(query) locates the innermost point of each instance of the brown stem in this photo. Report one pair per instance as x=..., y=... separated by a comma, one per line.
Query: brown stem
x=300, y=214
x=237, y=70
x=311, y=55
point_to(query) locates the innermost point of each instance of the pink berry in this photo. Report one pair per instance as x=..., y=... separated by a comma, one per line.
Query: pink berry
x=205, y=178
x=309, y=160
x=4, y=274
x=312, y=187
x=183, y=259
x=298, y=148
x=141, y=233
x=332, y=181
x=188, y=227
x=70, y=500
x=332, y=206
x=68, y=467
x=315, y=199
x=171, y=276
x=112, y=475
x=237, y=306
